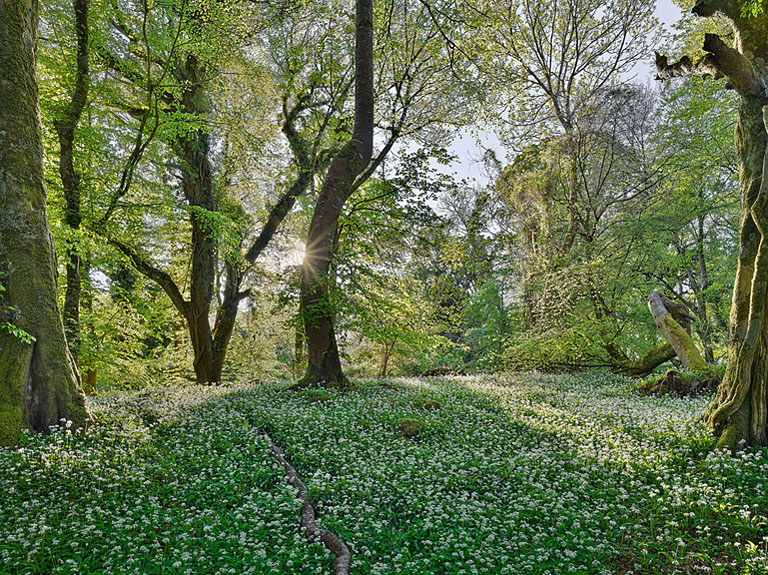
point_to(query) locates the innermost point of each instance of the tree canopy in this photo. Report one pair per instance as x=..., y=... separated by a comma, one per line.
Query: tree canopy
x=215, y=199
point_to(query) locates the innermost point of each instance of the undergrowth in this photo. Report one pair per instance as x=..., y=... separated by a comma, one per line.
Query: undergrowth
x=525, y=474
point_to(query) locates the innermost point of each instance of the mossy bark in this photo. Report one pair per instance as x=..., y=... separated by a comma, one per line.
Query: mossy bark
x=693, y=359
x=683, y=384
x=739, y=412
x=643, y=366
x=663, y=312
x=193, y=149
x=328, y=374
x=39, y=383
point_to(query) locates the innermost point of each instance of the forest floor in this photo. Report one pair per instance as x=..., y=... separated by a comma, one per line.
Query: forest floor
x=516, y=474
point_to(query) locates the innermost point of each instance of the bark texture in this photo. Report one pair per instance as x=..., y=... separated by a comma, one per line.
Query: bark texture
x=65, y=127
x=323, y=362
x=739, y=412
x=39, y=383
x=674, y=323
x=643, y=366
x=193, y=150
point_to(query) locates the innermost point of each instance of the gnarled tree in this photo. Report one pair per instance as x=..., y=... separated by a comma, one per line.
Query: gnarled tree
x=39, y=383
x=674, y=323
x=739, y=412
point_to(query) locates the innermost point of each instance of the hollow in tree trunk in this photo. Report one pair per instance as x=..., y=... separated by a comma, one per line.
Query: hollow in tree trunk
x=323, y=362
x=39, y=383
x=739, y=413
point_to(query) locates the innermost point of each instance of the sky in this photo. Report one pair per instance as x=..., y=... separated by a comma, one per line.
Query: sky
x=469, y=150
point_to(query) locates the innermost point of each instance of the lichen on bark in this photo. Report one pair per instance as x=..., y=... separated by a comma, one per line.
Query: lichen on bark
x=39, y=383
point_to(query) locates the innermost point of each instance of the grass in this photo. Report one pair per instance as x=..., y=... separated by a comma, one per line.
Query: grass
x=524, y=474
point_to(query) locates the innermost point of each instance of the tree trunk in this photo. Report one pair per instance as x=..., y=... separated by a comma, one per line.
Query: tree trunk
x=226, y=314
x=65, y=127
x=573, y=193
x=197, y=183
x=702, y=327
x=673, y=322
x=739, y=412
x=642, y=367
x=388, y=348
x=90, y=383
x=324, y=365
x=39, y=382
x=298, y=350
x=209, y=345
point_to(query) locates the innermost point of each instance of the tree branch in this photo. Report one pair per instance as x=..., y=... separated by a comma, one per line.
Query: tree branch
x=161, y=278
x=721, y=61
x=303, y=156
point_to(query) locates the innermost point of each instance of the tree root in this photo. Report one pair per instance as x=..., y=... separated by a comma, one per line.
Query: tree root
x=682, y=384
x=311, y=531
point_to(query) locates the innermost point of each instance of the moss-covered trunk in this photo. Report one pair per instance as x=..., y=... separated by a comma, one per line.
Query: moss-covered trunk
x=39, y=383
x=739, y=412
x=643, y=366
x=676, y=330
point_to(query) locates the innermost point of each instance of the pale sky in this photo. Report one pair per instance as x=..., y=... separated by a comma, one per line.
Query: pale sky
x=470, y=152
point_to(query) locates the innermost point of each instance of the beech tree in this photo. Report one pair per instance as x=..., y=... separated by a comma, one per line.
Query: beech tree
x=170, y=69
x=39, y=382
x=65, y=126
x=739, y=412
x=323, y=362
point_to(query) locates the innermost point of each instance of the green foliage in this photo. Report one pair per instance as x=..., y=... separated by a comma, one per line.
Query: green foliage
x=675, y=229
x=518, y=475
x=11, y=312
x=430, y=272
x=751, y=8
x=559, y=350
x=219, y=227
x=552, y=64
x=262, y=344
